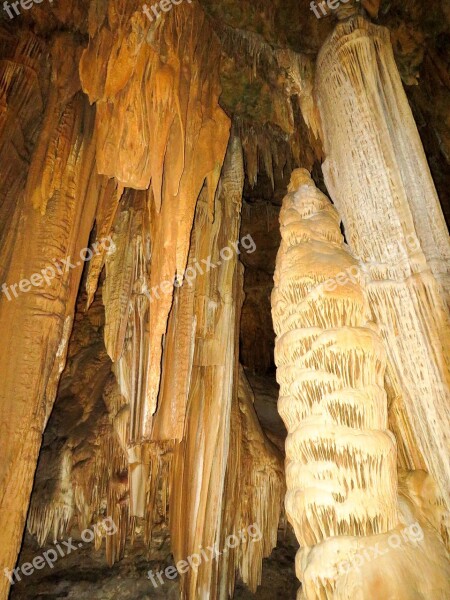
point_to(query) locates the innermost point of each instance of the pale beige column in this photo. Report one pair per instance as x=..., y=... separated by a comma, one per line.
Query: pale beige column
x=362, y=534
x=340, y=457
x=379, y=179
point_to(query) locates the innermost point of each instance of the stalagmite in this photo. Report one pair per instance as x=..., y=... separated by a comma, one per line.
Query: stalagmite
x=341, y=468
x=379, y=179
x=341, y=461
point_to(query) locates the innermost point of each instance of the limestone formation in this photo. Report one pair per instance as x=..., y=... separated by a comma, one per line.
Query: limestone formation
x=56, y=211
x=341, y=460
x=341, y=467
x=383, y=190
x=145, y=151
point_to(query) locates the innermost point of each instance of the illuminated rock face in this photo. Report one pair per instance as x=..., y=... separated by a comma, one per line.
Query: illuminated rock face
x=225, y=472
x=378, y=177
x=156, y=97
x=51, y=220
x=138, y=168
x=341, y=460
x=341, y=467
x=230, y=480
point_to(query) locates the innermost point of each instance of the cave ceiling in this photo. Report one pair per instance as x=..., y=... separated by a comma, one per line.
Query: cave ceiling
x=259, y=83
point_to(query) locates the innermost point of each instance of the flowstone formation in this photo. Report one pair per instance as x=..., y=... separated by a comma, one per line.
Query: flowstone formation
x=382, y=187
x=144, y=171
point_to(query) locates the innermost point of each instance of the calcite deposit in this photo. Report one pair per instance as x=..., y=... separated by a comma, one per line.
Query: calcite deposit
x=341, y=459
x=224, y=311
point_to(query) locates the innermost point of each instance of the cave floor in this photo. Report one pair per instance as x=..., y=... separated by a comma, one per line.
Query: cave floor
x=84, y=574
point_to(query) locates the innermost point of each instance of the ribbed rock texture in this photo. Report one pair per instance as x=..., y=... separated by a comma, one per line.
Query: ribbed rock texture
x=340, y=458
x=55, y=212
x=228, y=461
x=161, y=368
x=341, y=467
x=174, y=129
x=209, y=463
x=379, y=179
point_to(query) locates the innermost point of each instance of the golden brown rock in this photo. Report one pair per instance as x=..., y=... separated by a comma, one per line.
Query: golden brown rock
x=57, y=214
x=174, y=129
x=204, y=464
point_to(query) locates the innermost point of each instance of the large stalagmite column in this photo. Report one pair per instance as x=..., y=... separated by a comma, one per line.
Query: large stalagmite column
x=340, y=458
x=341, y=473
x=379, y=180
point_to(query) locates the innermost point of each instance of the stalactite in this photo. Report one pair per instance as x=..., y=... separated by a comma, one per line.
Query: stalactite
x=141, y=480
x=242, y=43
x=179, y=344
x=230, y=477
x=104, y=219
x=378, y=176
x=165, y=105
x=280, y=78
x=200, y=460
x=114, y=125
x=24, y=80
x=300, y=73
x=127, y=305
x=271, y=139
x=30, y=370
x=265, y=149
x=127, y=315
